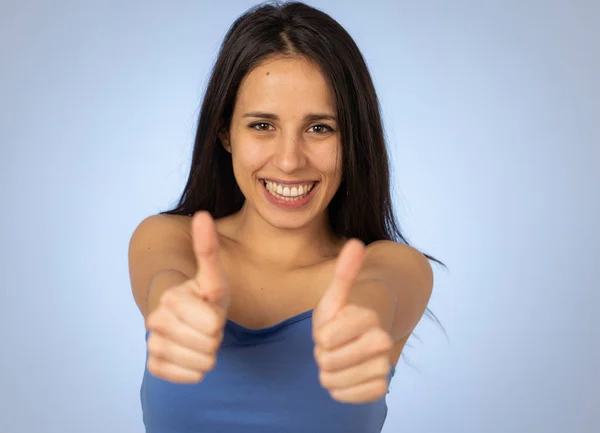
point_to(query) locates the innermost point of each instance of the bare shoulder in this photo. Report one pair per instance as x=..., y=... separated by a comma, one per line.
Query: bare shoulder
x=160, y=230
x=159, y=242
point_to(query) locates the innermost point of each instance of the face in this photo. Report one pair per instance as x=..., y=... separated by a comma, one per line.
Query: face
x=284, y=142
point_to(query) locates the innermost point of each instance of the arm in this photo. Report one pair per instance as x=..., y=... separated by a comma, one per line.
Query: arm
x=375, y=299
x=160, y=256
x=396, y=281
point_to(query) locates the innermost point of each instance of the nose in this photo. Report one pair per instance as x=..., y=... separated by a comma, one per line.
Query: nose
x=289, y=153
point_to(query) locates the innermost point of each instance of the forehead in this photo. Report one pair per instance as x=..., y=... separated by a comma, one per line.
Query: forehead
x=285, y=85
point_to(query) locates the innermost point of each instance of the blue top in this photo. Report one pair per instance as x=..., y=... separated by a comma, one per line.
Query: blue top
x=264, y=381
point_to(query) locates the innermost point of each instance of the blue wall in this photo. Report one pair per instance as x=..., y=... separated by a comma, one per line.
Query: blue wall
x=492, y=113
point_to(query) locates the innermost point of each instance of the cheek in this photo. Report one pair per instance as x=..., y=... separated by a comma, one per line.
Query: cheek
x=328, y=160
x=248, y=156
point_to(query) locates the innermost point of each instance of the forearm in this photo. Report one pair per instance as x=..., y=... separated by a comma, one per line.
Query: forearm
x=377, y=295
x=399, y=275
x=159, y=284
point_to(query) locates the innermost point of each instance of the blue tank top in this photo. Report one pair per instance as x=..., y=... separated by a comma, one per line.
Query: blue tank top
x=264, y=381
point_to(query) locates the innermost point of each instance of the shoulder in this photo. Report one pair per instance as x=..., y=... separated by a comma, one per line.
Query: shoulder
x=179, y=227
x=396, y=255
x=184, y=222
x=167, y=219
x=161, y=226
x=159, y=242
x=158, y=223
x=388, y=248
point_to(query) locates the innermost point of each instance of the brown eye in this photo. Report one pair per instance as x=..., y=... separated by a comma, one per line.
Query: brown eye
x=260, y=124
x=323, y=129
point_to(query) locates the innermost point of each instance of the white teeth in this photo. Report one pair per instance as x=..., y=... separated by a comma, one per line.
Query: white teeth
x=287, y=193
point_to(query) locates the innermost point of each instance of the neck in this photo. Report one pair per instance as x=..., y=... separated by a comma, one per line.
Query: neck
x=283, y=248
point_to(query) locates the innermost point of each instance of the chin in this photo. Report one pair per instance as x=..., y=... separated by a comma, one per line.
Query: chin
x=286, y=222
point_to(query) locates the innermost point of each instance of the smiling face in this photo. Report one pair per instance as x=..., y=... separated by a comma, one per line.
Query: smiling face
x=283, y=139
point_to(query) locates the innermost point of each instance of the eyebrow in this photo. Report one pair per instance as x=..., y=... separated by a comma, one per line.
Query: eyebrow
x=310, y=117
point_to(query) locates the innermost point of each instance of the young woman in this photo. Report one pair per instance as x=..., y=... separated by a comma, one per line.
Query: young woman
x=279, y=293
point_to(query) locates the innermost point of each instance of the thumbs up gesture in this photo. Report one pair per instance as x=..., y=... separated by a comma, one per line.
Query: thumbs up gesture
x=187, y=326
x=351, y=348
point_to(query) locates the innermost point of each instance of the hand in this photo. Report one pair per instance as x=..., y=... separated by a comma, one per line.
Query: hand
x=351, y=349
x=187, y=326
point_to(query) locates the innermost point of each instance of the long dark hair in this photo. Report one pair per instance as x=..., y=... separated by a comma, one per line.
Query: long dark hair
x=362, y=206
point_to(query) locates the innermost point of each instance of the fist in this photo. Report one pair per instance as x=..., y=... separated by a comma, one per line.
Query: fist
x=187, y=325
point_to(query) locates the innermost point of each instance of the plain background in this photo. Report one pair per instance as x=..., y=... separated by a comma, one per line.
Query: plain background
x=492, y=113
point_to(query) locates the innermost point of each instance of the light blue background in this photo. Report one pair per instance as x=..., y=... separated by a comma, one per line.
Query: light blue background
x=492, y=113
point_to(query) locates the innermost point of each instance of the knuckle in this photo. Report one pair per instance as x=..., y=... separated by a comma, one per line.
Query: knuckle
x=370, y=316
x=189, y=285
x=386, y=340
x=196, y=376
x=323, y=339
x=168, y=297
x=380, y=340
x=158, y=322
x=214, y=344
x=321, y=358
x=381, y=388
x=384, y=366
x=325, y=362
x=325, y=379
x=151, y=320
x=317, y=338
x=214, y=325
x=317, y=354
x=155, y=366
x=213, y=328
x=210, y=363
x=156, y=346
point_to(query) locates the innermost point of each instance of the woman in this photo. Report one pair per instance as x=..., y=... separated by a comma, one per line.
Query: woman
x=278, y=295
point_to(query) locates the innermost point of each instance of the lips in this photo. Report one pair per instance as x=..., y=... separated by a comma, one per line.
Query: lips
x=288, y=182
x=288, y=204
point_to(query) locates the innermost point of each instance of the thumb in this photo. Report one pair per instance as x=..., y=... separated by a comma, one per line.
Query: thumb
x=346, y=270
x=210, y=278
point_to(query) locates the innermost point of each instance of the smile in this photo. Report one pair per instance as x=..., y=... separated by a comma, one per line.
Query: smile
x=286, y=197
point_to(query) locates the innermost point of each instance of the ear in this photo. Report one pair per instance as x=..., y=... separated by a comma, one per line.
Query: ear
x=224, y=137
